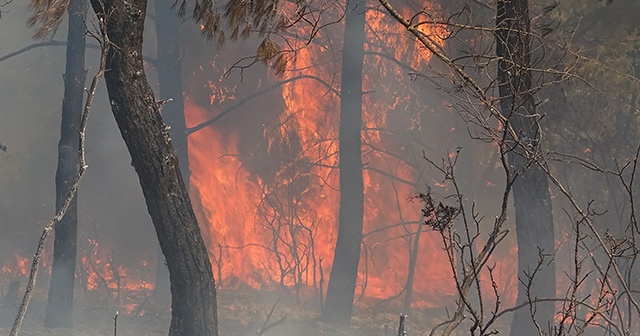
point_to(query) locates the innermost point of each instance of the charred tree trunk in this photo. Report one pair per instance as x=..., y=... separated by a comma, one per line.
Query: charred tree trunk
x=532, y=202
x=413, y=260
x=193, y=293
x=342, y=282
x=170, y=84
x=59, y=311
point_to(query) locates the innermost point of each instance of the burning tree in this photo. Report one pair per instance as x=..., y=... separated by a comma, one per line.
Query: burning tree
x=137, y=113
x=374, y=126
x=299, y=201
x=283, y=197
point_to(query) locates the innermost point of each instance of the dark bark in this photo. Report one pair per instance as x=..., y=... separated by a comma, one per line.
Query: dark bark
x=338, y=307
x=532, y=202
x=59, y=313
x=193, y=294
x=413, y=259
x=170, y=86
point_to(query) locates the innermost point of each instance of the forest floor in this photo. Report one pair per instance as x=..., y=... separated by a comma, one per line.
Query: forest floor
x=240, y=314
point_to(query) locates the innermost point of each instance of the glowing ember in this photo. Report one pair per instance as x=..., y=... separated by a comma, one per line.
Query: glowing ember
x=16, y=267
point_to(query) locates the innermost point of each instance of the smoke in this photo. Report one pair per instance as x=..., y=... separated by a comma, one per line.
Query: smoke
x=111, y=207
x=112, y=211
x=30, y=106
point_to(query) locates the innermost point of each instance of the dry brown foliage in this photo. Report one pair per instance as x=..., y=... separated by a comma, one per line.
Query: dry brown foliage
x=46, y=17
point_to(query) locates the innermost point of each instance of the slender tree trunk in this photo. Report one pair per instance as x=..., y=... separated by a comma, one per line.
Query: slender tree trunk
x=193, y=293
x=532, y=202
x=59, y=311
x=342, y=282
x=170, y=83
x=413, y=260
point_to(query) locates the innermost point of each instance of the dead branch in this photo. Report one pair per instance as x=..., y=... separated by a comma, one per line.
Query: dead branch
x=191, y=130
x=266, y=325
x=36, y=45
x=55, y=43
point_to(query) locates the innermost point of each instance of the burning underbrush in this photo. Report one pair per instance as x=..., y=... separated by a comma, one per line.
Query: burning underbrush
x=265, y=187
x=265, y=176
x=101, y=280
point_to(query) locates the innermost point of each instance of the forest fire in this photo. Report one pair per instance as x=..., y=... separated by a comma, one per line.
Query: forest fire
x=116, y=286
x=275, y=227
x=278, y=229
x=465, y=165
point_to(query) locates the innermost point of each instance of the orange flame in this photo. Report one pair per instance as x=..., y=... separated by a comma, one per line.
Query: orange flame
x=125, y=290
x=276, y=232
x=17, y=267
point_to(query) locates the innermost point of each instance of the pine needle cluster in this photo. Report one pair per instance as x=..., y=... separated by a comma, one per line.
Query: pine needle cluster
x=237, y=19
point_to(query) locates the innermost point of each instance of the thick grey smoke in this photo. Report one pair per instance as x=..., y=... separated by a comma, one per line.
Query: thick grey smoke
x=111, y=207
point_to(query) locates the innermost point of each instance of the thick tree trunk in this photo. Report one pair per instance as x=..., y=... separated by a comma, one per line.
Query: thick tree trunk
x=193, y=294
x=532, y=202
x=342, y=282
x=59, y=311
x=170, y=84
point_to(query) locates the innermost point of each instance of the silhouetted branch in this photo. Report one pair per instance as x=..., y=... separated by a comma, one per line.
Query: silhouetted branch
x=36, y=45
x=54, y=43
x=266, y=326
x=238, y=104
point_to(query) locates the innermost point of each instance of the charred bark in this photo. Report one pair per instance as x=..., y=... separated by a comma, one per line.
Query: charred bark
x=193, y=293
x=169, y=71
x=59, y=313
x=411, y=272
x=338, y=307
x=532, y=202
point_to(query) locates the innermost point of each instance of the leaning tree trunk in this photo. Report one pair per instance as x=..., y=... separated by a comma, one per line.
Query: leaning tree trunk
x=59, y=311
x=342, y=282
x=170, y=87
x=193, y=293
x=532, y=202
